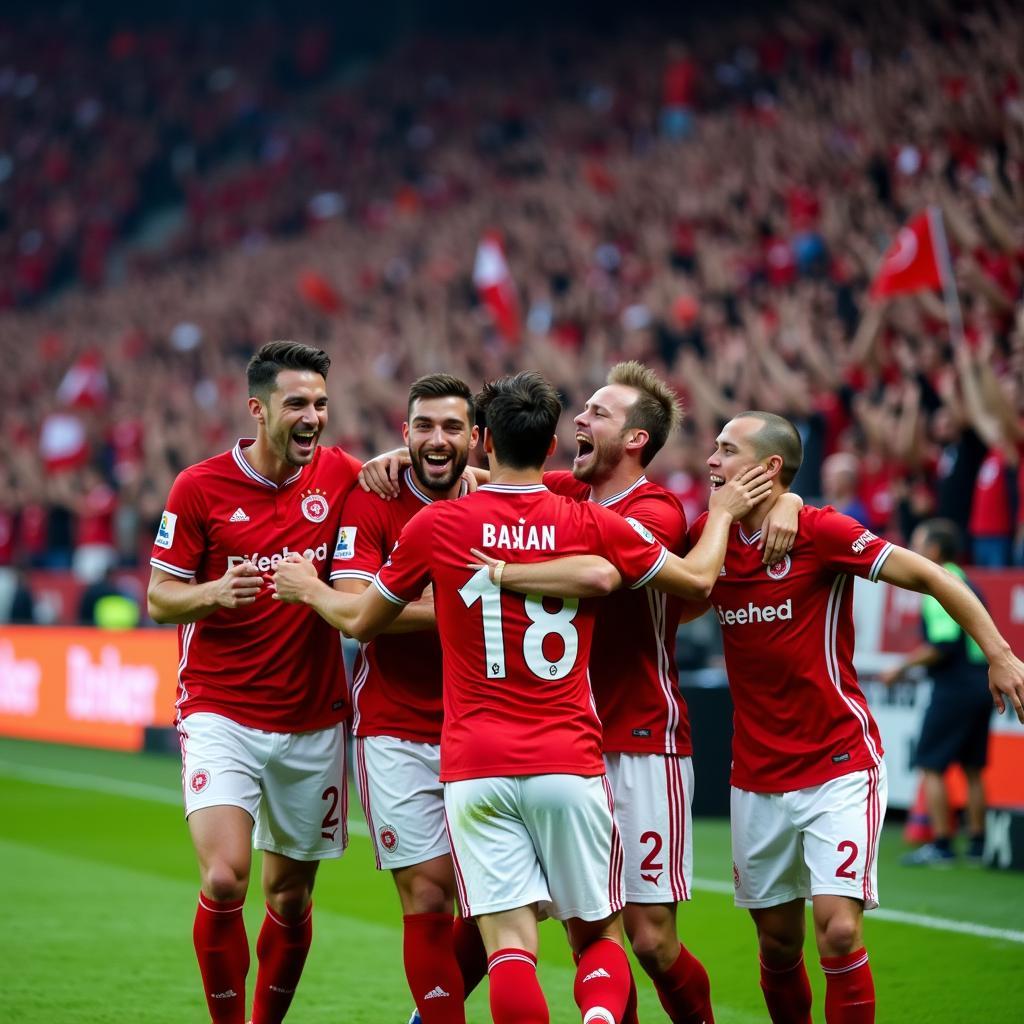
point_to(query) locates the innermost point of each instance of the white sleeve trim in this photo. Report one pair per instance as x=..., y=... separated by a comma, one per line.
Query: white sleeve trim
x=652, y=572
x=876, y=565
x=184, y=574
x=351, y=574
x=386, y=594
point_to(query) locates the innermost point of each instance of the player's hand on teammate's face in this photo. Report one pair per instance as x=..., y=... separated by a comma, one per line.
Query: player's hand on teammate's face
x=380, y=475
x=1006, y=683
x=292, y=578
x=742, y=492
x=239, y=585
x=778, y=532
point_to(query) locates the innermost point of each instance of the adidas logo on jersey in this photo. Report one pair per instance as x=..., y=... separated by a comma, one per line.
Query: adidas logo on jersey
x=238, y=516
x=436, y=993
x=599, y=973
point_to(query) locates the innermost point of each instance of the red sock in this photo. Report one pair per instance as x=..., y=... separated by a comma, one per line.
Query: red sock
x=849, y=988
x=685, y=990
x=516, y=996
x=603, y=982
x=223, y=953
x=470, y=952
x=281, y=951
x=787, y=993
x=432, y=970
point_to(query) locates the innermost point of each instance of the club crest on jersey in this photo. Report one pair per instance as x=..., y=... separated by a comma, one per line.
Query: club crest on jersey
x=165, y=534
x=780, y=569
x=388, y=836
x=199, y=780
x=641, y=529
x=315, y=507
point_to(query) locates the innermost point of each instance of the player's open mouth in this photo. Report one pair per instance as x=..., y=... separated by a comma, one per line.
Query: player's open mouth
x=437, y=460
x=716, y=481
x=584, y=448
x=304, y=439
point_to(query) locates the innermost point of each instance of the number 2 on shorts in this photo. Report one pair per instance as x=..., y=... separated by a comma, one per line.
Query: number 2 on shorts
x=843, y=870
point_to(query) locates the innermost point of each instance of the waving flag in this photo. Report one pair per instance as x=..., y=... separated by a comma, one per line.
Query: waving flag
x=911, y=263
x=496, y=288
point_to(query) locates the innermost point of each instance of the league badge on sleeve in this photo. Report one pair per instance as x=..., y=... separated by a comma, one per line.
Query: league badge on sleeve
x=346, y=546
x=641, y=529
x=165, y=534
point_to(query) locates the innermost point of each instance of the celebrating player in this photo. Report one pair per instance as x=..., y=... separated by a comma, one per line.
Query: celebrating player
x=646, y=727
x=396, y=698
x=808, y=779
x=262, y=685
x=527, y=803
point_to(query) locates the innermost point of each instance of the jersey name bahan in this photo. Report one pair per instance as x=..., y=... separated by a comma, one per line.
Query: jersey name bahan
x=517, y=698
x=268, y=665
x=633, y=656
x=800, y=717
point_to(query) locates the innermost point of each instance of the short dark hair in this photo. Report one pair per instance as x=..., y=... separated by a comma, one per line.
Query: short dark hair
x=442, y=385
x=656, y=409
x=273, y=357
x=777, y=436
x=945, y=534
x=522, y=415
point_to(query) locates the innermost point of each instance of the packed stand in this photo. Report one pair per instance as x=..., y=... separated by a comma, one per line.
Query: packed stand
x=715, y=209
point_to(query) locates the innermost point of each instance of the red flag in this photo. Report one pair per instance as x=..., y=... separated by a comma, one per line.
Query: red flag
x=495, y=286
x=911, y=263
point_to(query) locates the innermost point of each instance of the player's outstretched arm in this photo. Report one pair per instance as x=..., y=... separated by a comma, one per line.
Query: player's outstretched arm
x=572, y=576
x=911, y=571
x=173, y=600
x=415, y=617
x=693, y=576
x=362, y=616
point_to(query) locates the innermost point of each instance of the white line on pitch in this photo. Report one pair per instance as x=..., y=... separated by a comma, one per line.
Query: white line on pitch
x=161, y=794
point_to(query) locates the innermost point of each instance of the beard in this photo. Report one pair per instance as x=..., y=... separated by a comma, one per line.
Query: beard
x=603, y=460
x=429, y=478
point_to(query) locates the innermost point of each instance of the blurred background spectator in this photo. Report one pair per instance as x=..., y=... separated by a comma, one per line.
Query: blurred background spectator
x=708, y=194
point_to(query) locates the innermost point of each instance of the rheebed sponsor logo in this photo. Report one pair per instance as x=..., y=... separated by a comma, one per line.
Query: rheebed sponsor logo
x=267, y=563
x=19, y=683
x=108, y=689
x=756, y=613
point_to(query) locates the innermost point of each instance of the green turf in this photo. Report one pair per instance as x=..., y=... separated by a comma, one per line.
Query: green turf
x=101, y=893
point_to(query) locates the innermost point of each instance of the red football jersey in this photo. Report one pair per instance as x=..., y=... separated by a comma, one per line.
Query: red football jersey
x=269, y=665
x=799, y=716
x=517, y=698
x=396, y=681
x=636, y=683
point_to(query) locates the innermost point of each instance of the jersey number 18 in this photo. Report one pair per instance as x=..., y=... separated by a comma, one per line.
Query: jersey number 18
x=543, y=624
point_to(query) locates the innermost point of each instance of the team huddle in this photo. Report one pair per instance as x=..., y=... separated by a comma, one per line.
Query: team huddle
x=520, y=744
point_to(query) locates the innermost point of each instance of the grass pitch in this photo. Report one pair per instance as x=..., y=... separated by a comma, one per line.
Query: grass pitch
x=101, y=889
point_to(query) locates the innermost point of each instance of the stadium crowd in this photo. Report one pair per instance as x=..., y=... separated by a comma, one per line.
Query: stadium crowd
x=715, y=209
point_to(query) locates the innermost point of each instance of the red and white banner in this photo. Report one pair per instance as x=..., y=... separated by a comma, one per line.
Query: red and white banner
x=495, y=286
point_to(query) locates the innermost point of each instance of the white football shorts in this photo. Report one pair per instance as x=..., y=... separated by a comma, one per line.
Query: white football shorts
x=544, y=840
x=652, y=807
x=403, y=802
x=818, y=841
x=293, y=784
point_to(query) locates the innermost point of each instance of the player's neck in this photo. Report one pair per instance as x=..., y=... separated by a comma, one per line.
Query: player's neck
x=259, y=456
x=753, y=521
x=507, y=475
x=455, y=491
x=625, y=474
